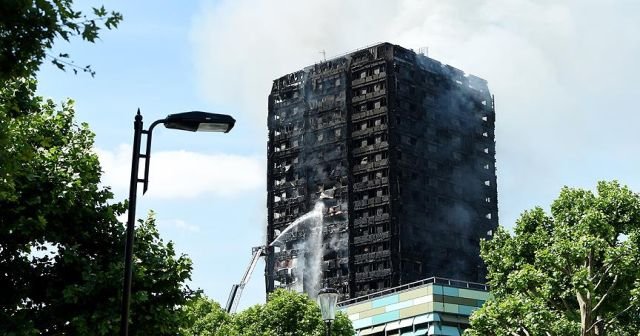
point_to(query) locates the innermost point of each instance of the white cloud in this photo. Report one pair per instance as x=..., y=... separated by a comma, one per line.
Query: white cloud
x=564, y=73
x=179, y=224
x=183, y=174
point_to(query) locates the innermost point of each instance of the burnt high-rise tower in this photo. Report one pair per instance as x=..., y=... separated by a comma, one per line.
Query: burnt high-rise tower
x=401, y=147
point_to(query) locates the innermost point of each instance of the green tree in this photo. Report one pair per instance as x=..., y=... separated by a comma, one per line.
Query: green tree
x=29, y=28
x=203, y=317
x=285, y=314
x=573, y=272
x=61, y=245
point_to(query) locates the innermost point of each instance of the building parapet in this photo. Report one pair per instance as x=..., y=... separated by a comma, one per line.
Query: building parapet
x=411, y=285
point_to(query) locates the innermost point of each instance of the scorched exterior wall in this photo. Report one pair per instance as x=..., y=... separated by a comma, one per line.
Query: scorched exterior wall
x=401, y=147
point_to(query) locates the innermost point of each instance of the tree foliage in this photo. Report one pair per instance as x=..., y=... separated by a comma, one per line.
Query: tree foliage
x=285, y=314
x=29, y=28
x=573, y=272
x=61, y=245
x=204, y=317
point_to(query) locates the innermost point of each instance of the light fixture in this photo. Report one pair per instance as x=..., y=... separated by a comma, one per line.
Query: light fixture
x=197, y=121
x=327, y=300
x=194, y=121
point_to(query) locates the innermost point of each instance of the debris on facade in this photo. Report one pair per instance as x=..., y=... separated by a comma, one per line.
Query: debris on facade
x=400, y=149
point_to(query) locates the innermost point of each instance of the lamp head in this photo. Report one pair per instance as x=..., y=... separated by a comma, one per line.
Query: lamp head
x=327, y=300
x=197, y=121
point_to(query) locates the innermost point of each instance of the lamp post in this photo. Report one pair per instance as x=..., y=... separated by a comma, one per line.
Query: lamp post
x=195, y=121
x=327, y=300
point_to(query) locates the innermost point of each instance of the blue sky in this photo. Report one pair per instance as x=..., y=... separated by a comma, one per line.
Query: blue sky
x=564, y=74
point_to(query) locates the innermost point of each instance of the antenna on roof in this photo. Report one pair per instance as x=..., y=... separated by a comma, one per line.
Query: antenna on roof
x=423, y=51
x=324, y=55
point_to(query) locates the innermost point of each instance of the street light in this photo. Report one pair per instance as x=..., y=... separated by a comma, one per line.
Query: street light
x=195, y=121
x=327, y=299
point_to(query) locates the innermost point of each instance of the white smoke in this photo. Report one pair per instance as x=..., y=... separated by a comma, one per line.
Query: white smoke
x=338, y=242
x=555, y=73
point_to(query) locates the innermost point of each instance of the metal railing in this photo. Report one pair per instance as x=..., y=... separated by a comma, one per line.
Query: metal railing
x=412, y=285
x=369, y=113
x=331, y=58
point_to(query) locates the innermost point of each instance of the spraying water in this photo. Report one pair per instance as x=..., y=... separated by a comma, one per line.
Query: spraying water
x=315, y=214
x=314, y=254
x=309, y=266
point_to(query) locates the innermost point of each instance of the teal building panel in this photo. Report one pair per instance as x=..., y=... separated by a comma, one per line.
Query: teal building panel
x=450, y=291
x=399, y=305
x=362, y=323
x=384, y=301
x=386, y=317
x=466, y=310
x=438, y=290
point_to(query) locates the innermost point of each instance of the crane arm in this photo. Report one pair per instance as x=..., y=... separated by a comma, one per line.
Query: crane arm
x=236, y=289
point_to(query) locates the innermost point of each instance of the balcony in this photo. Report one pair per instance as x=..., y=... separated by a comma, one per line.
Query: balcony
x=369, y=131
x=278, y=222
x=284, y=275
x=324, y=106
x=278, y=171
x=383, y=218
x=287, y=135
x=334, y=264
x=384, y=163
x=368, y=79
x=376, y=183
x=369, y=95
x=366, y=292
x=384, y=145
x=338, y=281
x=327, y=124
x=293, y=236
x=373, y=275
x=334, y=226
x=283, y=103
x=371, y=238
x=371, y=202
x=287, y=152
x=366, y=221
x=363, y=222
x=284, y=255
x=380, y=111
x=329, y=265
x=372, y=256
x=289, y=184
x=288, y=202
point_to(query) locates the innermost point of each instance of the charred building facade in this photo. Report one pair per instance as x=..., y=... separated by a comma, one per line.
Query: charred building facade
x=401, y=148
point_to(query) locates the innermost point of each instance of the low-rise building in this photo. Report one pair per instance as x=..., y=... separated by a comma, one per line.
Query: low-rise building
x=434, y=306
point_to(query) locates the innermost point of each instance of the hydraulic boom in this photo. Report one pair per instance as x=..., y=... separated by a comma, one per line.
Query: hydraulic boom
x=236, y=289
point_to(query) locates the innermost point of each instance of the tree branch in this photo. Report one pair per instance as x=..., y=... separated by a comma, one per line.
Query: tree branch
x=520, y=328
x=608, y=268
x=533, y=292
x=613, y=284
x=60, y=63
x=593, y=325
x=590, y=260
x=602, y=276
x=616, y=316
